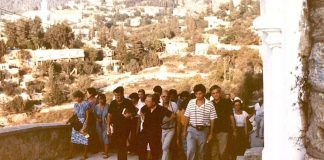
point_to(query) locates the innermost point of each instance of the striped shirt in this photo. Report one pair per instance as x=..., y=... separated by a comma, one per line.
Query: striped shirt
x=200, y=115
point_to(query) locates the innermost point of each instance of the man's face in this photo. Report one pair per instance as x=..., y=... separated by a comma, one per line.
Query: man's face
x=216, y=94
x=118, y=97
x=200, y=95
x=149, y=102
x=141, y=95
x=165, y=97
x=173, y=97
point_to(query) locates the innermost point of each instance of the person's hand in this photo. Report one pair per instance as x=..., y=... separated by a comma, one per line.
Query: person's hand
x=83, y=131
x=109, y=131
x=127, y=115
x=209, y=138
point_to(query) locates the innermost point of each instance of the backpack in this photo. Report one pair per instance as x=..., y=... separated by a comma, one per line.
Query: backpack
x=75, y=123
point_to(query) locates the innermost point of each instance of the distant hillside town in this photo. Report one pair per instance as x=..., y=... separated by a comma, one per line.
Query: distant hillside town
x=49, y=48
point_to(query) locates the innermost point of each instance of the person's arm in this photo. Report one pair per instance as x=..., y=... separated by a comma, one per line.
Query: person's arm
x=233, y=125
x=185, y=127
x=210, y=135
x=108, y=123
x=212, y=118
x=87, y=121
x=109, y=116
x=246, y=126
x=186, y=120
x=178, y=127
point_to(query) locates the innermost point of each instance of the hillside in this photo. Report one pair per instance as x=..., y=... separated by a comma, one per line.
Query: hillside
x=25, y=5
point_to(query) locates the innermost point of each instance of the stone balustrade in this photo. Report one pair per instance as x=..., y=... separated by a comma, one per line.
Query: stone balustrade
x=35, y=141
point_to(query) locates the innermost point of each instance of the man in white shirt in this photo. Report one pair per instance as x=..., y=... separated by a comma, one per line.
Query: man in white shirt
x=200, y=115
x=168, y=125
x=141, y=95
x=259, y=112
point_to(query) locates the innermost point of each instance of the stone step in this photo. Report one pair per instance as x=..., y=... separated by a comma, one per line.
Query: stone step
x=253, y=153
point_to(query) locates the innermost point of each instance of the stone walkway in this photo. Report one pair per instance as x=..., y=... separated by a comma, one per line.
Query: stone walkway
x=112, y=156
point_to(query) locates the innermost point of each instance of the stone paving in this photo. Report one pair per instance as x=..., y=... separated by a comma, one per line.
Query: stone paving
x=112, y=156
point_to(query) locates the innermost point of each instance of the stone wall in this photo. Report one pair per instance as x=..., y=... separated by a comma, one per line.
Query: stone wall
x=35, y=141
x=315, y=133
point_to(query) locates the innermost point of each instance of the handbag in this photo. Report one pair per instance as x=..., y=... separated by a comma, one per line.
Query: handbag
x=75, y=123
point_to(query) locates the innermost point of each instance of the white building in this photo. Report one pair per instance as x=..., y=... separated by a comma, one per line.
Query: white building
x=179, y=12
x=39, y=56
x=128, y=12
x=174, y=46
x=135, y=22
x=201, y=48
x=151, y=10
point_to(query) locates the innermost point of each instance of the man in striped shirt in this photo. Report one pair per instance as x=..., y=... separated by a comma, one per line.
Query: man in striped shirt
x=199, y=115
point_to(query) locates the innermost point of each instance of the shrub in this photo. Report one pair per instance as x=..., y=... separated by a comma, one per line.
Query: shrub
x=35, y=86
x=82, y=83
x=18, y=105
x=10, y=89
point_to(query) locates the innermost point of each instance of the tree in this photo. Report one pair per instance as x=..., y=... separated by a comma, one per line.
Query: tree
x=54, y=92
x=174, y=25
x=133, y=66
x=150, y=60
x=23, y=29
x=138, y=50
x=121, y=49
x=77, y=43
x=59, y=36
x=91, y=54
x=36, y=34
x=11, y=33
x=3, y=49
x=104, y=39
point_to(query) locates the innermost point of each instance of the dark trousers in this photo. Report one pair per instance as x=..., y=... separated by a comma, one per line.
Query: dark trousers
x=154, y=140
x=133, y=140
x=121, y=135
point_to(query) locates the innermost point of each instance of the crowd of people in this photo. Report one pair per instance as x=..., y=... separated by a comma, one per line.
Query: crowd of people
x=164, y=125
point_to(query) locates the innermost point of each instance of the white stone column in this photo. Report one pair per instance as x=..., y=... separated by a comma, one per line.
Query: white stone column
x=279, y=24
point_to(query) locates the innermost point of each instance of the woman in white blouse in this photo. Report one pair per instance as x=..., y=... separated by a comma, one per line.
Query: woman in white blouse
x=241, y=118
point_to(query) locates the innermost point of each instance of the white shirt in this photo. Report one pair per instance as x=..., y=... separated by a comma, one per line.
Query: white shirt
x=139, y=106
x=258, y=109
x=240, y=119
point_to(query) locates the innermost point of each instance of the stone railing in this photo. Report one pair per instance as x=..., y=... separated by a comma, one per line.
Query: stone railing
x=35, y=141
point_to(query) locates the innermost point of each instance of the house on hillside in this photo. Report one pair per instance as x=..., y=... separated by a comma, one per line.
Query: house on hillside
x=174, y=46
x=135, y=22
x=40, y=56
x=211, y=39
x=179, y=12
x=201, y=48
x=151, y=10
